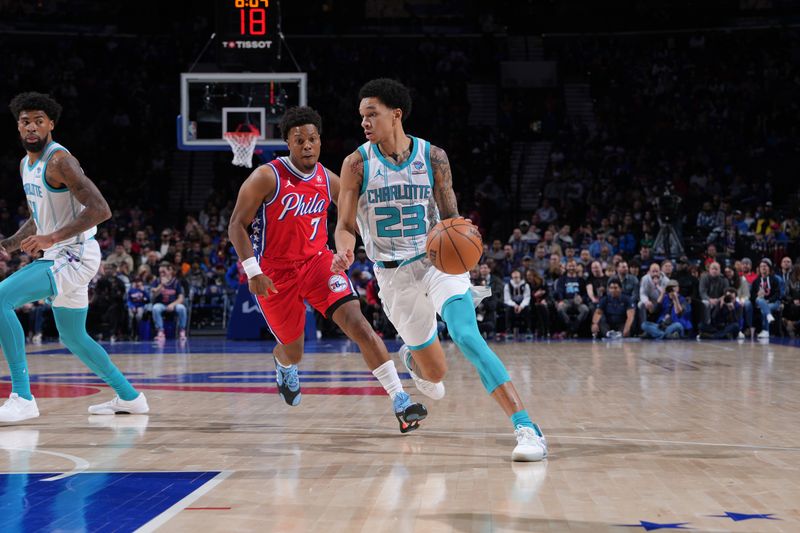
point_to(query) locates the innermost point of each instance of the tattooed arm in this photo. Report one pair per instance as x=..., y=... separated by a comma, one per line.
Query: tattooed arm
x=443, y=184
x=64, y=170
x=349, y=189
x=12, y=243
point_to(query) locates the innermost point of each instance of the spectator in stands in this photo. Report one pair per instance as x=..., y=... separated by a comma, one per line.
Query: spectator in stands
x=487, y=279
x=362, y=262
x=673, y=319
x=645, y=258
x=739, y=284
x=710, y=255
x=120, y=256
x=517, y=302
x=550, y=246
x=727, y=319
x=167, y=296
x=667, y=269
x=597, y=245
x=564, y=238
x=651, y=293
x=765, y=293
x=613, y=317
x=706, y=219
x=635, y=268
x=628, y=282
x=569, y=253
x=496, y=251
x=137, y=305
x=540, y=260
x=529, y=234
x=595, y=285
x=539, y=302
x=791, y=302
x=712, y=287
x=520, y=246
x=747, y=270
x=571, y=298
x=553, y=273
x=585, y=259
x=509, y=263
x=546, y=213
x=107, y=306
x=785, y=273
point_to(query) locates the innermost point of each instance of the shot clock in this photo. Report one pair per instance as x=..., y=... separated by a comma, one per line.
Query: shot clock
x=246, y=24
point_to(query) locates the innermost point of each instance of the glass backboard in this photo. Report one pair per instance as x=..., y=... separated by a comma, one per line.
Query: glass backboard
x=215, y=103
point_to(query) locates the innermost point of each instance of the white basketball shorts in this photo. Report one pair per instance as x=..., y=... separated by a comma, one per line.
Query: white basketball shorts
x=73, y=268
x=413, y=294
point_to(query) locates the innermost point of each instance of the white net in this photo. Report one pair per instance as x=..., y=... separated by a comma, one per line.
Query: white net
x=243, y=143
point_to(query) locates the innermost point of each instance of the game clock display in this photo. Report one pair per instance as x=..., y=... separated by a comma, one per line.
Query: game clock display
x=246, y=24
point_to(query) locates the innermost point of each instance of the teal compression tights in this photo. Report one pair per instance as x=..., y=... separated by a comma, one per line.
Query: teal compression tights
x=35, y=282
x=459, y=314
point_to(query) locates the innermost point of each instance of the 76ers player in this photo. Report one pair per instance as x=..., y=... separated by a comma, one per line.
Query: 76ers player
x=288, y=260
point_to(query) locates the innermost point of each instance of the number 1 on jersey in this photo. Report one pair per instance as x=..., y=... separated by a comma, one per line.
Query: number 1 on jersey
x=34, y=212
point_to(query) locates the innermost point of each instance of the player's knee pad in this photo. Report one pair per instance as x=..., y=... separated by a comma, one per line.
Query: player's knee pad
x=459, y=314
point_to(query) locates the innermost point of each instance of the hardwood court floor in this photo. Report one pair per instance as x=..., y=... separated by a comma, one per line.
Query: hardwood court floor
x=642, y=436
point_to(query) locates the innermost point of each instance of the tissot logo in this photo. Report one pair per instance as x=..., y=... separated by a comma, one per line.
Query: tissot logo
x=246, y=44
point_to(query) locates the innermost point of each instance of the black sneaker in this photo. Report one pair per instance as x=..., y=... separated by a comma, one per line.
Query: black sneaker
x=288, y=383
x=409, y=414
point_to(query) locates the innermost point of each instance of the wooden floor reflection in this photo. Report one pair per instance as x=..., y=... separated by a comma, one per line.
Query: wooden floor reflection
x=701, y=434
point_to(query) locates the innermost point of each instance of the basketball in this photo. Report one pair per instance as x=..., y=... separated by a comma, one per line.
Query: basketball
x=454, y=246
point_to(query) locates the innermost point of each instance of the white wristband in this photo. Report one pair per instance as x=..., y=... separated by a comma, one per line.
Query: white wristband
x=251, y=267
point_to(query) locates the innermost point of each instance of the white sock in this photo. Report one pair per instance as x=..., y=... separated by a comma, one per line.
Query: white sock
x=387, y=375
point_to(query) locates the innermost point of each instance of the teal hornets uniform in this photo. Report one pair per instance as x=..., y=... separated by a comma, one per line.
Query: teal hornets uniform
x=75, y=260
x=396, y=210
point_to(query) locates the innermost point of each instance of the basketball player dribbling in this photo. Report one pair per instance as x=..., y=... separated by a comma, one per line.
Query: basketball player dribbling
x=395, y=188
x=288, y=260
x=65, y=208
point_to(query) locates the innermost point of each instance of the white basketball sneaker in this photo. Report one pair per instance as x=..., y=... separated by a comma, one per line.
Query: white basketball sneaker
x=531, y=444
x=432, y=390
x=17, y=409
x=119, y=406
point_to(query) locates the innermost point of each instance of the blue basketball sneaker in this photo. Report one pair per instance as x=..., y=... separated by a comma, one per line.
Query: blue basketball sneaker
x=288, y=383
x=408, y=413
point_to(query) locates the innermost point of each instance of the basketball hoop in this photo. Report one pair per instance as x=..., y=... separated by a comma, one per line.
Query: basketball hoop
x=243, y=142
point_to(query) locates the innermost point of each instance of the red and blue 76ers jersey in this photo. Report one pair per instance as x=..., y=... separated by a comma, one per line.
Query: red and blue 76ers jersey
x=293, y=225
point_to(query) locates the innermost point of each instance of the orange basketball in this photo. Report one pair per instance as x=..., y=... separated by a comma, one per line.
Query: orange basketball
x=454, y=246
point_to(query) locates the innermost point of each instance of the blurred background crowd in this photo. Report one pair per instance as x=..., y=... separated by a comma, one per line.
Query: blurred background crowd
x=664, y=158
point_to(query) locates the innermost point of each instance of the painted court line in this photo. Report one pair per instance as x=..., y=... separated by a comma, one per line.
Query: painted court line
x=563, y=437
x=80, y=464
x=170, y=513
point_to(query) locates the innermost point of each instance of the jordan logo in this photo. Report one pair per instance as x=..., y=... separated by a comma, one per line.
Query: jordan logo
x=289, y=183
x=378, y=174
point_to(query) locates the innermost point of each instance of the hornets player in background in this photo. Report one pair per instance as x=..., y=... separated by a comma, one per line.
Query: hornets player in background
x=65, y=208
x=394, y=188
x=286, y=201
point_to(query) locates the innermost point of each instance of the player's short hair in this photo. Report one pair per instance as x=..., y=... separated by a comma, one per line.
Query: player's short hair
x=32, y=101
x=614, y=281
x=390, y=92
x=299, y=116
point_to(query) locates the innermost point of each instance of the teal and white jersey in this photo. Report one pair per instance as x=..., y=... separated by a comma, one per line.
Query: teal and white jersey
x=50, y=208
x=396, y=208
